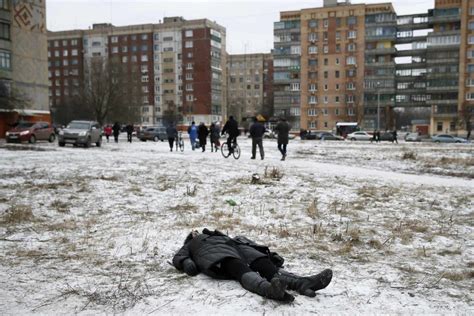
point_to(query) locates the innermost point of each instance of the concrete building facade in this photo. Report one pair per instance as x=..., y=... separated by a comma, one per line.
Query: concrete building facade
x=249, y=85
x=23, y=60
x=182, y=66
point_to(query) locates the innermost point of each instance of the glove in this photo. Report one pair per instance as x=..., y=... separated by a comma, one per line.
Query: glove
x=276, y=259
x=189, y=267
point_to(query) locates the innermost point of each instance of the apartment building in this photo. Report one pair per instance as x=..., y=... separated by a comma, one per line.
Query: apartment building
x=249, y=85
x=23, y=61
x=364, y=63
x=181, y=63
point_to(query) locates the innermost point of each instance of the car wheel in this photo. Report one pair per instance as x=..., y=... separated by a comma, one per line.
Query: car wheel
x=353, y=139
x=457, y=142
x=88, y=143
x=32, y=139
x=437, y=141
x=99, y=142
x=62, y=144
x=52, y=137
x=155, y=139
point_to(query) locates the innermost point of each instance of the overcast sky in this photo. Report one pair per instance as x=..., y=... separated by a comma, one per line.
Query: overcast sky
x=249, y=23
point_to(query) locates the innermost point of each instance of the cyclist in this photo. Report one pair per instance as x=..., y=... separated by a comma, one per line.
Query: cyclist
x=172, y=134
x=231, y=127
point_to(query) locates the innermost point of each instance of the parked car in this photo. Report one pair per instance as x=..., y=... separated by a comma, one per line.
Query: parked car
x=361, y=135
x=31, y=132
x=330, y=136
x=386, y=136
x=154, y=133
x=445, y=138
x=81, y=133
x=413, y=137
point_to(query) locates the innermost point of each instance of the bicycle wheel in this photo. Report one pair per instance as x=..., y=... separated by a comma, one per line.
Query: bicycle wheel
x=181, y=145
x=225, y=150
x=236, y=152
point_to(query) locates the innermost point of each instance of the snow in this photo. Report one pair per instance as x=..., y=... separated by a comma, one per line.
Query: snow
x=105, y=223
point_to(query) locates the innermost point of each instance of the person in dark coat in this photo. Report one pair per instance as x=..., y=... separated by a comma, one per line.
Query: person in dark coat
x=202, y=135
x=377, y=136
x=394, y=136
x=282, y=129
x=231, y=127
x=215, y=133
x=116, y=129
x=256, y=132
x=129, y=130
x=172, y=134
x=256, y=268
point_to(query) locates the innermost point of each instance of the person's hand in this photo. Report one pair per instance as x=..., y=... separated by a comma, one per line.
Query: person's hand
x=276, y=259
x=189, y=267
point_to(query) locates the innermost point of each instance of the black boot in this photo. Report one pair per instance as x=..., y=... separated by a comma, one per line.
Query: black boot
x=274, y=290
x=306, y=285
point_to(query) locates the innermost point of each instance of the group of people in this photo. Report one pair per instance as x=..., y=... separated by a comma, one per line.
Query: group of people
x=199, y=134
x=376, y=136
x=254, y=266
x=115, y=130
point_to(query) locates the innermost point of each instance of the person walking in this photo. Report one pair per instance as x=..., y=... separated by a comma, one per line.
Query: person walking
x=256, y=268
x=374, y=136
x=192, y=131
x=256, y=132
x=202, y=135
x=116, y=130
x=394, y=136
x=172, y=134
x=231, y=127
x=129, y=130
x=108, y=132
x=282, y=129
x=377, y=136
x=215, y=132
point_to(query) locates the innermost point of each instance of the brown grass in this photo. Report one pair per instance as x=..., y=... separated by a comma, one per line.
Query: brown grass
x=17, y=214
x=61, y=207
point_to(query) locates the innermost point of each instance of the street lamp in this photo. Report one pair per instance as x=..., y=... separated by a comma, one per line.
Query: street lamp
x=378, y=105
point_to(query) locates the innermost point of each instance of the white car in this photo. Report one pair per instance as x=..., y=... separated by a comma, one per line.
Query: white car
x=359, y=136
x=412, y=137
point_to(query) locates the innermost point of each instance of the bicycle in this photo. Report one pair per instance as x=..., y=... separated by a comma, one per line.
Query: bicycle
x=235, y=150
x=180, y=142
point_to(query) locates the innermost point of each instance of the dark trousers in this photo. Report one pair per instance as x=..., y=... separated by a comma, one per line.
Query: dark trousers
x=235, y=268
x=107, y=136
x=116, y=137
x=230, y=140
x=282, y=148
x=129, y=137
x=257, y=141
x=171, y=142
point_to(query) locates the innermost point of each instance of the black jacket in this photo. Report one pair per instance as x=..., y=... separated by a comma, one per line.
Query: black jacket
x=208, y=249
x=171, y=132
x=282, y=129
x=257, y=130
x=202, y=133
x=231, y=127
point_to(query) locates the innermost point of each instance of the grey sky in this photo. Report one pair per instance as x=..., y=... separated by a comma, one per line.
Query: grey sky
x=249, y=23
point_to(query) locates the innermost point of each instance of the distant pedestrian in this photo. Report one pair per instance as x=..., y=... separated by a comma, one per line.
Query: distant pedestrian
x=116, y=130
x=215, y=133
x=129, y=130
x=377, y=136
x=108, y=132
x=282, y=129
x=202, y=135
x=172, y=134
x=394, y=136
x=374, y=136
x=256, y=132
x=192, y=131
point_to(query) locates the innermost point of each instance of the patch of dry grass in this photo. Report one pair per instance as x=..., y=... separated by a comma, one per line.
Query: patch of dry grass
x=17, y=214
x=61, y=207
x=273, y=173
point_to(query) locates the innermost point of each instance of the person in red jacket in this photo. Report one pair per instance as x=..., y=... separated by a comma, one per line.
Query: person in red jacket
x=108, y=132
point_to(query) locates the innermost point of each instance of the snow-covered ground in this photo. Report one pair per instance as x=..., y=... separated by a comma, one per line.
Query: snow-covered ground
x=93, y=230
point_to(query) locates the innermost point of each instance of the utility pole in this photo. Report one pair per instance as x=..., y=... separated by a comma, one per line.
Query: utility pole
x=378, y=105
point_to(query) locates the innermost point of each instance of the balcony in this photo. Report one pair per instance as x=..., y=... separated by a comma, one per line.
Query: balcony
x=442, y=89
x=384, y=37
x=381, y=51
x=442, y=102
x=412, y=52
x=385, y=64
x=410, y=39
x=444, y=19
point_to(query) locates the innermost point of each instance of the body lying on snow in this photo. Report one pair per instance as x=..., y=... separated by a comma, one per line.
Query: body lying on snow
x=256, y=268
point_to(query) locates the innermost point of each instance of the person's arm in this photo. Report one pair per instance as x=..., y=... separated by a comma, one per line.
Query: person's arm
x=183, y=262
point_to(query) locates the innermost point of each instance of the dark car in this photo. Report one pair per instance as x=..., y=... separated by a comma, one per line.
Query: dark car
x=154, y=133
x=330, y=136
x=387, y=136
x=81, y=133
x=31, y=132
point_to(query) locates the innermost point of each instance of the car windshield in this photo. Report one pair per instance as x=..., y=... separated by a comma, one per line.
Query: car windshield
x=25, y=125
x=78, y=125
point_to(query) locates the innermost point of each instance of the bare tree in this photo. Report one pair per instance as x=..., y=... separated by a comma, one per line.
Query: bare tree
x=111, y=91
x=11, y=98
x=465, y=118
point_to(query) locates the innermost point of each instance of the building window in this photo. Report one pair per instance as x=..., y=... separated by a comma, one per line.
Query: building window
x=313, y=49
x=124, y=49
x=295, y=86
x=351, y=60
x=313, y=23
x=452, y=126
x=350, y=111
x=144, y=37
x=188, y=33
x=337, y=112
x=325, y=23
x=189, y=87
x=439, y=126
x=134, y=59
x=313, y=99
x=351, y=20
x=313, y=125
x=114, y=39
x=5, y=60
x=470, y=96
x=114, y=50
x=4, y=4
x=144, y=58
x=325, y=49
x=337, y=74
x=189, y=66
x=326, y=101
x=124, y=59
x=325, y=111
x=312, y=112
x=74, y=42
x=351, y=34
x=188, y=44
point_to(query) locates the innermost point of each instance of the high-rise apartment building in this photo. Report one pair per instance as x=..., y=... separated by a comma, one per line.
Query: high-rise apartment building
x=181, y=62
x=23, y=61
x=249, y=85
x=363, y=63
